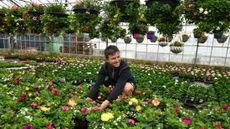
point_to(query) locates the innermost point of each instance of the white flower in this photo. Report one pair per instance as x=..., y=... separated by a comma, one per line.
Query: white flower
x=201, y=10
x=29, y=118
x=205, y=12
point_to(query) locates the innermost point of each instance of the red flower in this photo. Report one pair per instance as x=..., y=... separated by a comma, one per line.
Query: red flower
x=124, y=97
x=35, y=86
x=35, y=4
x=56, y=92
x=118, y=100
x=84, y=110
x=148, y=101
x=17, y=81
x=95, y=108
x=135, y=36
x=14, y=8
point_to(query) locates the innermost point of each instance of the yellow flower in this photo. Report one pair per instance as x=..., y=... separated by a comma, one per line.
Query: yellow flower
x=44, y=109
x=27, y=88
x=106, y=116
x=134, y=100
x=138, y=108
x=155, y=102
x=50, y=104
x=29, y=94
x=72, y=102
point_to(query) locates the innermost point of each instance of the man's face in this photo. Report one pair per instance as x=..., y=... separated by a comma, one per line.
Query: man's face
x=114, y=59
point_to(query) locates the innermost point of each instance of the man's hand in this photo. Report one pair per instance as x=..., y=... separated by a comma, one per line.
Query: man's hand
x=104, y=105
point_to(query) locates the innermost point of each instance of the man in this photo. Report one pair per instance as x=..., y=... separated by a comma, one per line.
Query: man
x=119, y=76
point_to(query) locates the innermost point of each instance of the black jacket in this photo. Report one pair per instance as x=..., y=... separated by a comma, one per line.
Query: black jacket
x=116, y=77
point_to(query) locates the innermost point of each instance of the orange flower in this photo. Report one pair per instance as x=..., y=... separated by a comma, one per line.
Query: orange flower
x=72, y=102
x=138, y=108
x=155, y=102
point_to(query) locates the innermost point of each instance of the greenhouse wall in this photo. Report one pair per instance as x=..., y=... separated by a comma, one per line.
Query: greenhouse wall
x=209, y=53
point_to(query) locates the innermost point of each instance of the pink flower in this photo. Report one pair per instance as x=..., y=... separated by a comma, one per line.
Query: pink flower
x=34, y=18
x=226, y=107
x=17, y=81
x=23, y=95
x=118, y=100
x=34, y=105
x=66, y=108
x=36, y=93
x=135, y=36
x=27, y=127
x=56, y=92
x=50, y=83
x=194, y=14
x=84, y=110
x=20, y=99
x=95, y=108
x=49, y=126
x=35, y=86
x=124, y=97
x=110, y=90
x=187, y=122
x=148, y=101
x=177, y=110
x=201, y=128
x=190, y=5
x=228, y=73
x=131, y=121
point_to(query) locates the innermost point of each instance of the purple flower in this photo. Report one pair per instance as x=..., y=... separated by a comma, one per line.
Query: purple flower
x=56, y=92
x=27, y=127
x=131, y=121
x=150, y=36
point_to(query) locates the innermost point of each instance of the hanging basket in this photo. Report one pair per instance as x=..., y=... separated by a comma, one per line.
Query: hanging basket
x=222, y=39
x=127, y=39
x=185, y=38
x=197, y=34
x=202, y=39
x=163, y=44
x=218, y=35
x=154, y=39
x=113, y=39
x=140, y=39
x=176, y=49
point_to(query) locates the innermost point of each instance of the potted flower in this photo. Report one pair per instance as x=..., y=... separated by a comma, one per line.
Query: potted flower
x=33, y=18
x=162, y=42
x=222, y=39
x=176, y=47
x=87, y=15
x=165, y=17
x=109, y=27
x=127, y=39
x=197, y=33
x=54, y=19
x=150, y=35
x=203, y=38
x=140, y=39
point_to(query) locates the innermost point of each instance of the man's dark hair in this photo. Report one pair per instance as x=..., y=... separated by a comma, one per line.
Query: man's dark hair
x=110, y=50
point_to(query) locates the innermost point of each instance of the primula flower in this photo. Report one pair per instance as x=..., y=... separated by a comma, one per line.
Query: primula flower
x=27, y=127
x=155, y=102
x=44, y=109
x=66, y=108
x=34, y=18
x=72, y=102
x=226, y=107
x=131, y=121
x=84, y=110
x=148, y=101
x=17, y=81
x=21, y=99
x=138, y=108
x=106, y=116
x=177, y=110
x=23, y=95
x=56, y=92
x=35, y=86
x=134, y=100
x=186, y=120
x=118, y=100
x=27, y=88
x=95, y=108
x=34, y=105
x=201, y=128
x=49, y=126
x=36, y=93
x=124, y=97
x=135, y=36
x=50, y=83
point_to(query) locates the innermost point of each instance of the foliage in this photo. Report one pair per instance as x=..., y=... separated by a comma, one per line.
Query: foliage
x=177, y=43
